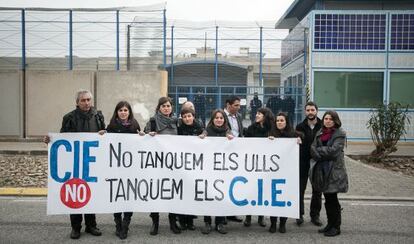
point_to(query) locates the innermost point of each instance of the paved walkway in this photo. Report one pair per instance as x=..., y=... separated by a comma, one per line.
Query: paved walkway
x=366, y=182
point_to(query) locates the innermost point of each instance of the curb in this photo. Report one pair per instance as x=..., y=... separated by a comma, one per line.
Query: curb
x=23, y=191
x=24, y=152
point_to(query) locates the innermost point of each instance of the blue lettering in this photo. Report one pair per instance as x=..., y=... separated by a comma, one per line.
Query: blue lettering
x=76, y=159
x=53, y=160
x=88, y=159
x=233, y=182
x=275, y=192
x=260, y=192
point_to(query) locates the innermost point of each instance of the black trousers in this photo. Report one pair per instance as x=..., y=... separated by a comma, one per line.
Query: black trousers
x=217, y=220
x=333, y=209
x=316, y=200
x=156, y=216
x=76, y=221
x=127, y=215
x=273, y=220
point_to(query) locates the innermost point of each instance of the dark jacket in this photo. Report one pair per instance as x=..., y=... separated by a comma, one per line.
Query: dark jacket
x=190, y=130
x=217, y=132
x=239, y=123
x=332, y=153
x=118, y=127
x=255, y=130
x=79, y=121
x=307, y=135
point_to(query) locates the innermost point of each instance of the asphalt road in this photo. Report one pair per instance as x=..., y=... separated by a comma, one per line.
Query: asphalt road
x=24, y=220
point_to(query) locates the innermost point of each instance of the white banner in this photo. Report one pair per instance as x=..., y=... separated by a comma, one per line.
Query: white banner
x=89, y=173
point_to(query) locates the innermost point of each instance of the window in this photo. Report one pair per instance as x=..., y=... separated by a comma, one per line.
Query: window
x=350, y=31
x=348, y=89
x=402, y=32
x=402, y=87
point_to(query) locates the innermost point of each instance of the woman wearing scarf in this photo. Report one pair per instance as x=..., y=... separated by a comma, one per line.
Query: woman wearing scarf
x=327, y=150
x=122, y=121
x=262, y=127
x=165, y=124
x=217, y=127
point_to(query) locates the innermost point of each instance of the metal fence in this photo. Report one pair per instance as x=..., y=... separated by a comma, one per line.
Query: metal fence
x=208, y=98
x=142, y=38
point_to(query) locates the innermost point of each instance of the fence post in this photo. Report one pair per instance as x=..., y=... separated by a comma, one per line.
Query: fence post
x=128, y=47
x=172, y=55
x=117, y=40
x=216, y=59
x=261, y=58
x=165, y=38
x=23, y=40
x=70, y=41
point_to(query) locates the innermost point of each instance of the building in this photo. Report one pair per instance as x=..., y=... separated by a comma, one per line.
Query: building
x=351, y=56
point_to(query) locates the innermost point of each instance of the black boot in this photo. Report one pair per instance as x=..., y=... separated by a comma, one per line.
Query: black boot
x=299, y=221
x=282, y=225
x=75, y=234
x=124, y=230
x=155, y=224
x=328, y=210
x=173, y=224
x=190, y=223
x=206, y=229
x=182, y=219
x=336, y=224
x=118, y=225
x=273, y=222
x=261, y=222
x=247, y=221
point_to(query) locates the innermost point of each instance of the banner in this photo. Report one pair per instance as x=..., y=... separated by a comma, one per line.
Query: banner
x=91, y=173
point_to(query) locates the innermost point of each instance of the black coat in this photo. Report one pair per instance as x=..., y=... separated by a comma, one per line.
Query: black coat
x=307, y=135
x=78, y=121
x=217, y=132
x=117, y=127
x=190, y=130
x=255, y=130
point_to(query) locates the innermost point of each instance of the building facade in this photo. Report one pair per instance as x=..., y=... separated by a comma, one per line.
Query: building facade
x=351, y=56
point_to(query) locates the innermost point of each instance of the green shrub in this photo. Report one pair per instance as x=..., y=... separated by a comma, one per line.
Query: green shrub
x=387, y=125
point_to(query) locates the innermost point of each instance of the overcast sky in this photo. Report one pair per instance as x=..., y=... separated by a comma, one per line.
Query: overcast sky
x=197, y=10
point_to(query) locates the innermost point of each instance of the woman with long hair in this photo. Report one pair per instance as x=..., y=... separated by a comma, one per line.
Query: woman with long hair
x=283, y=129
x=122, y=121
x=217, y=127
x=327, y=152
x=164, y=123
x=262, y=127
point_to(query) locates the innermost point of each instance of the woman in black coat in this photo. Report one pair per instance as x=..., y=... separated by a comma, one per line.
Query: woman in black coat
x=122, y=121
x=262, y=127
x=283, y=130
x=188, y=125
x=327, y=152
x=217, y=127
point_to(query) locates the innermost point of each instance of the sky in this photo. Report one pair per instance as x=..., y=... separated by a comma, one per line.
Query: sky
x=195, y=10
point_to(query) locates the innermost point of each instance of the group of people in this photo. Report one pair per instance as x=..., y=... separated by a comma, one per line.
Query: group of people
x=275, y=103
x=321, y=151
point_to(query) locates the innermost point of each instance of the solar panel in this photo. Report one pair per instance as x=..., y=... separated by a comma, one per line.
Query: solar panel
x=350, y=31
